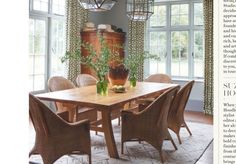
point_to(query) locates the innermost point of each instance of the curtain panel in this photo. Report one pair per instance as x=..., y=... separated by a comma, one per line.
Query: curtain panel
x=208, y=75
x=136, y=43
x=76, y=17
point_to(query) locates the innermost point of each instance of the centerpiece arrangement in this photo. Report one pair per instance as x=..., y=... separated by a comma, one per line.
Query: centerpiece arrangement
x=98, y=62
x=133, y=61
x=109, y=66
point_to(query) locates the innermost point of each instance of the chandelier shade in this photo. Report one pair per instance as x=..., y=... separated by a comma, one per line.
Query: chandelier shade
x=97, y=5
x=139, y=10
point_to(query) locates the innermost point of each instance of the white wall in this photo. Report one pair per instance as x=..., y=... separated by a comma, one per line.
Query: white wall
x=116, y=16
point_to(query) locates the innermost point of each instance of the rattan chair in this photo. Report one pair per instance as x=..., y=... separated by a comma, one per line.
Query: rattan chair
x=56, y=137
x=150, y=124
x=57, y=83
x=156, y=78
x=159, y=78
x=85, y=80
x=176, y=113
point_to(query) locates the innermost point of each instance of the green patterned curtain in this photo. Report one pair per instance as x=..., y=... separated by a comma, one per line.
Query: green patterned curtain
x=208, y=84
x=136, y=42
x=76, y=17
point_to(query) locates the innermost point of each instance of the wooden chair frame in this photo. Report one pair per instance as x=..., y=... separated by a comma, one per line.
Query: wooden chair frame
x=149, y=124
x=176, y=114
x=56, y=137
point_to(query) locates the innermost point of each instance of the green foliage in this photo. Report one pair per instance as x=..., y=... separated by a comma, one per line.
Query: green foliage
x=133, y=61
x=98, y=62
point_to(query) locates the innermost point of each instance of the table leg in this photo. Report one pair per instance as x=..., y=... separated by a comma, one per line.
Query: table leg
x=108, y=132
x=72, y=115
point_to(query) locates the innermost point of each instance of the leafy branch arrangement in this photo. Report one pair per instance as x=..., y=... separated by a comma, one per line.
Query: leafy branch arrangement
x=99, y=63
x=133, y=61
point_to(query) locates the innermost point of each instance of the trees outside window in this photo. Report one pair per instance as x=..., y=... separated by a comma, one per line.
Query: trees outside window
x=175, y=33
x=46, y=41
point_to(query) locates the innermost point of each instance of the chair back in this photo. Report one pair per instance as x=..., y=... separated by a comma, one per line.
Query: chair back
x=85, y=80
x=159, y=78
x=43, y=119
x=156, y=113
x=57, y=83
x=181, y=99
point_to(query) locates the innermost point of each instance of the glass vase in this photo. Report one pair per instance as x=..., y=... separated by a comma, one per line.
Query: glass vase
x=133, y=81
x=102, y=87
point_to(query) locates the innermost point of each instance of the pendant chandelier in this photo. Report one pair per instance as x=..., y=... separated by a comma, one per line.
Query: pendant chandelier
x=139, y=10
x=97, y=5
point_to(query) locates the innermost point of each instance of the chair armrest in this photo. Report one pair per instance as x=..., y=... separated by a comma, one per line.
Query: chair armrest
x=132, y=109
x=145, y=100
x=128, y=115
x=82, y=122
x=123, y=112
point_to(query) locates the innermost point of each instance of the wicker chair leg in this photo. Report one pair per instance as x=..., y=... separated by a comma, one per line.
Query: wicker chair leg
x=122, y=147
x=188, y=129
x=89, y=159
x=173, y=143
x=47, y=159
x=179, y=139
x=118, y=121
x=161, y=155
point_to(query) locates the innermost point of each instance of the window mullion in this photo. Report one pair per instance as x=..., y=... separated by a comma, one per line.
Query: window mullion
x=191, y=41
x=48, y=66
x=168, y=42
x=49, y=6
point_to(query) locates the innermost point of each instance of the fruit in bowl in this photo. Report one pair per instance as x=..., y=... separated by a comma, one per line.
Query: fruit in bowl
x=118, y=88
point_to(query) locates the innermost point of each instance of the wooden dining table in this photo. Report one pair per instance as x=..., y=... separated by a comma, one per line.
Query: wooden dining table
x=87, y=97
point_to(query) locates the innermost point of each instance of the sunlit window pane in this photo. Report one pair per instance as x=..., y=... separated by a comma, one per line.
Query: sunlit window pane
x=179, y=14
x=31, y=36
x=31, y=82
x=58, y=7
x=39, y=64
x=39, y=82
x=179, y=47
x=31, y=65
x=198, y=14
x=198, y=54
x=158, y=47
x=40, y=5
x=159, y=16
x=37, y=53
x=58, y=47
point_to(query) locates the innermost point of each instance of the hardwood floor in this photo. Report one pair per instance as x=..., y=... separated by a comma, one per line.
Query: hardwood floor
x=207, y=156
x=198, y=117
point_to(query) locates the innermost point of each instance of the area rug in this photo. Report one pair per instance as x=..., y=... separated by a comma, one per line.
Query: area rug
x=188, y=152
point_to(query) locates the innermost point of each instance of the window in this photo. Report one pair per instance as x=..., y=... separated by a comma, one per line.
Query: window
x=46, y=41
x=175, y=33
x=179, y=14
x=37, y=53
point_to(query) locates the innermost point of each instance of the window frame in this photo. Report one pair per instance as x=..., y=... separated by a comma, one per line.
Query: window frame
x=168, y=29
x=48, y=17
